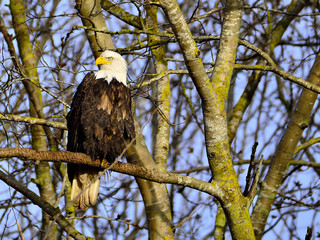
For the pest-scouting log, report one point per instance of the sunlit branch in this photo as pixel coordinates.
(128, 31)
(306, 144)
(207, 14)
(33, 121)
(283, 12)
(281, 73)
(121, 14)
(126, 168)
(243, 162)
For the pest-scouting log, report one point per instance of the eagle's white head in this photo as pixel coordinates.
(112, 65)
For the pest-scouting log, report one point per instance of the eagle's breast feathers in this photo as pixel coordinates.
(105, 118)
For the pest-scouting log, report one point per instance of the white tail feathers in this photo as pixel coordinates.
(85, 189)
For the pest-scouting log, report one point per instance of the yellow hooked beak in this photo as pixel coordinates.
(101, 61)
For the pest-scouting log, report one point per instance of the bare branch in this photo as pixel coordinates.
(126, 168)
(45, 206)
(33, 121)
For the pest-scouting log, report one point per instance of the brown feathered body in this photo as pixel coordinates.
(100, 124)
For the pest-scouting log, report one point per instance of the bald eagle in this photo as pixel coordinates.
(100, 124)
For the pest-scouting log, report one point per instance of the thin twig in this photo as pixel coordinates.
(250, 169)
(254, 185)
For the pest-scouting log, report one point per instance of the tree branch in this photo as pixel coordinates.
(284, 152)
(33, 121)
(126, 168)
(45, 206)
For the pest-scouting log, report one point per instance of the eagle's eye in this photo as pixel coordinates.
(109, 58)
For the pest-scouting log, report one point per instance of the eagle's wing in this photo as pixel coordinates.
(80, 176)
(75, 133)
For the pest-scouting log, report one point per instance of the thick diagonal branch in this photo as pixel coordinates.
(285, 150)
